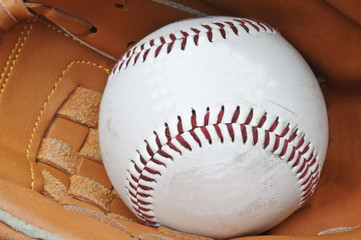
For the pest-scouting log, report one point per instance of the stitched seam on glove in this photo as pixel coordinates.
(45, 105)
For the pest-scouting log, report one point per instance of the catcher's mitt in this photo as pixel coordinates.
(56, 56)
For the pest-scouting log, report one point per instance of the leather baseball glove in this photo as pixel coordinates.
(55, 57)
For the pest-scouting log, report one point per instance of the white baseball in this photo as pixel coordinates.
(213, 126)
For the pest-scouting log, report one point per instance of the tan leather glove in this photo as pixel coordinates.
(55, 57)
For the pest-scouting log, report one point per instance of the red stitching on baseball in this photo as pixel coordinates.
(183, 142)
(255, 135)
(256, 26)
(235, 115)
(221, 29)
(170, 45)
(264, 25)
(195, 137)
(243, 24)
(180, 125)
(206, 133)
(244, 133)
(144, 56)
(277, 143)
(301, 143)
(209, 32)
(127, 54)
(235, 25)
(305, 174)
(249, 117)
(230, 131)
(218, 131)
(149, 150)
(220, 115)
(206, 118)
(194, 119)
(164, 154)
(266, 139)
(262, 120)
(195, 37)
(184, 39)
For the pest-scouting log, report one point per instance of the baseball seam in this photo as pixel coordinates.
(290, 146)
(235, 26)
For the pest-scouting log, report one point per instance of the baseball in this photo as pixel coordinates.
(213, 126)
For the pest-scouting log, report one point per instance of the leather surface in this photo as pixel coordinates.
(136, 18)
(11, 12)
(42, 67)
